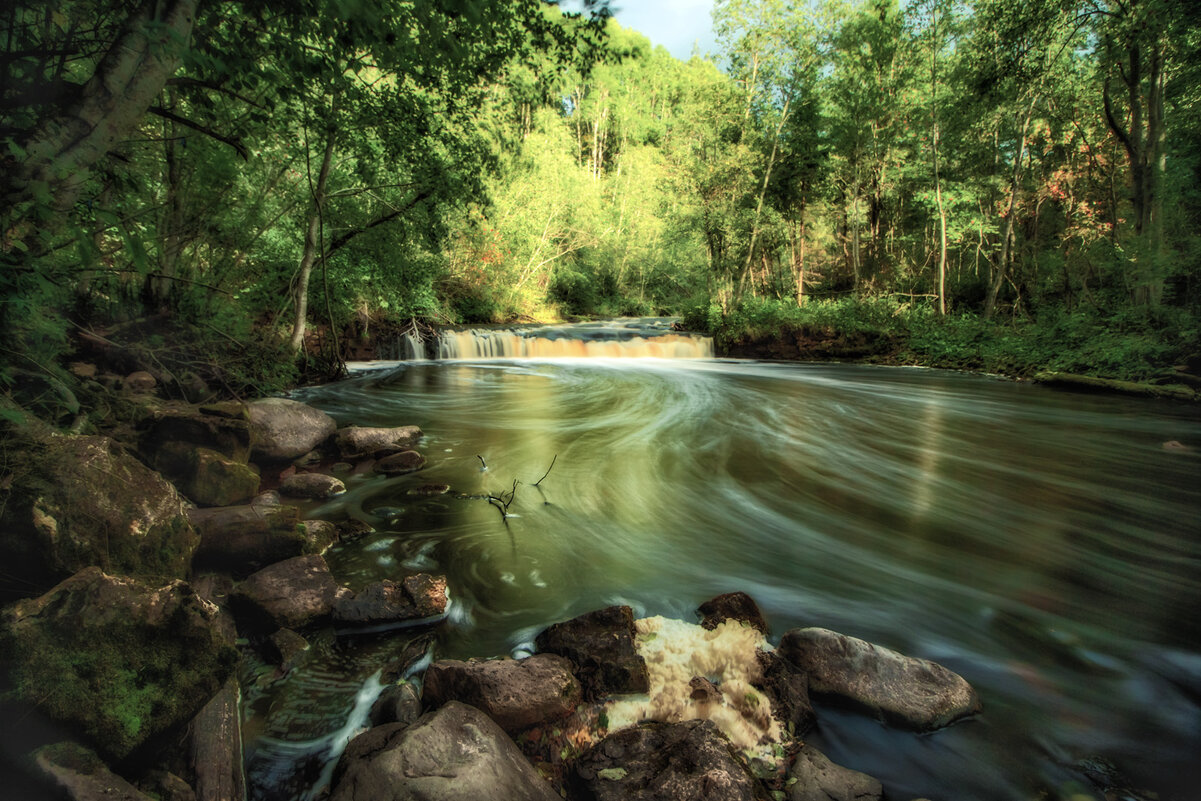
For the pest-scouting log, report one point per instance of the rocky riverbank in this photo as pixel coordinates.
(139, 570)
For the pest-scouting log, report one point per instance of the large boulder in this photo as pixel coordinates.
(819, 779)
(243, 539)
(79, 775)
(664, 762)
(207, 477)
(120, 661)
(516, 693)
(601, 646)
(904, 690)
(360, 442)
(413, 598)
(283, 429)
(73, 502)
(453, 754)
(220, 427)
(288, 594)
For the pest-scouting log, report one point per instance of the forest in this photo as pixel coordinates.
(245, 190)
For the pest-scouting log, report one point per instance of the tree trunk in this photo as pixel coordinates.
(1011, 211)
(63, 147)
(312, 249)
(771, 161)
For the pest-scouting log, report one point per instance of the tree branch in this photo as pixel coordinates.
(209, 132)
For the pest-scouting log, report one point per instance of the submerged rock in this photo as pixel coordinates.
(283, 429)
(453, 754)
(399, 464)
(359, 442)
(80, 775)
(120, 661)
(732, 606)
(414, 598)
(902, 689)
(601, 646)
(289, 594)
(664, 762)
(516, 693)
(819, 779)
(311, 485)
(74, 502)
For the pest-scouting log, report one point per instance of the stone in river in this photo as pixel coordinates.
(282, 429)
(453, 754)
(819, 779)
(311, 485)
(905, 690)
(601, 644)
(516, 693)
(732, 606)
(290, 594)
(400, 463)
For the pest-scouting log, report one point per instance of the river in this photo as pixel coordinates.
(1043, 544)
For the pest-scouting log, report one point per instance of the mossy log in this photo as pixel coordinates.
(1088, 383)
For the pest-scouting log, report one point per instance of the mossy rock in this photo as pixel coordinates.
(72, 502)
(119, 661)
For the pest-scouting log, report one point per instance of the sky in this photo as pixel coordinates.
(675, 24)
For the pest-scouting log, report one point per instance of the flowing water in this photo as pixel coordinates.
(1045, 545)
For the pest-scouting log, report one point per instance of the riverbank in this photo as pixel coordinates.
(1154, 352)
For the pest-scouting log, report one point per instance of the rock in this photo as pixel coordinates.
(118, 660)
(350, 529)
(905, 690)
(453, 754)
(516, 693)
(399, 703)
(787, 689)
(166, 786)
(310, 459)
(220, 427)
(704, 691)
(819, 779)
(140, 382)
(82, 369)
(283, 429)
(428, 490)
(287, 649)
(80, 775)
(73, 502)
(359, 442)
(215, 747)
(319, 535)
(243, 539)
(732, 606)
(400, 463)
(207, 477)
(311, 485)
(663, 762)
(289, 594)
(416, 597)
(601, 646)
(267, 498)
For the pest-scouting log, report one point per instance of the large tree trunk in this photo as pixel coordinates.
(64, 146)
(312, 249)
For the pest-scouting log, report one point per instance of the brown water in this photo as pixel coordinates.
(1043, 544)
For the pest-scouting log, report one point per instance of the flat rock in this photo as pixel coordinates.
(601, 646)
(283, 429)
(904, 690)
(413, 598)
(516, 693)
(209, 478)
(121, 661)
(663, 762)
(319, 535)
(400, 463)
(80, 775)
(220, 427)
(732, 606)
(455, 753)
(311, 485)
(819, 779)
(290, 594)
(358, 442)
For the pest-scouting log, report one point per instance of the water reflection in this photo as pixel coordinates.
(1043, 544)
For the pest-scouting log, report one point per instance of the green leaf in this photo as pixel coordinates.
(611, 774)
